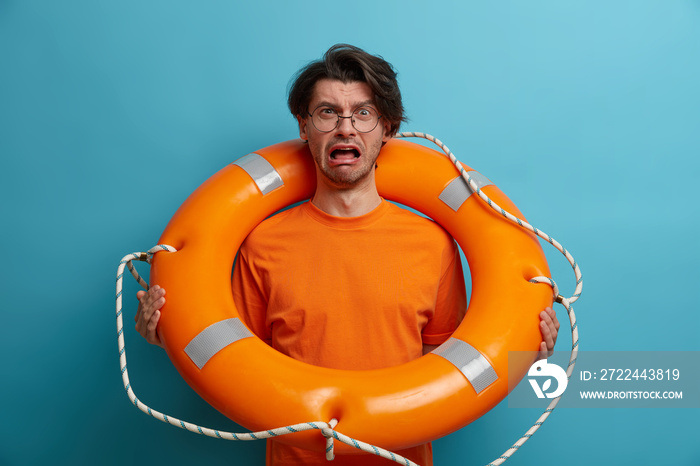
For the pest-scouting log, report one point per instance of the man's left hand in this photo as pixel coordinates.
(549, 326)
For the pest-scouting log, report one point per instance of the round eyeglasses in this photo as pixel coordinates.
(326, 119)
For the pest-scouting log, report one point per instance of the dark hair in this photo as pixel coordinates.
(348, 63)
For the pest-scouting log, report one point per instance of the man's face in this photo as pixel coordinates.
(343, 156)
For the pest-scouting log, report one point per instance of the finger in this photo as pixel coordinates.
(139, 295)
(545, 316)
(547, 337)
(145, 310)
(153, 302)
(151, 333)
(549, 318)
(148, 296)
(554, 326)
(555, 333)
(141, 323)
(151, 311)
(553, 314)
(542, 354)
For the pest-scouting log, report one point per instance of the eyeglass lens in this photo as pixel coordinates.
(364, 119)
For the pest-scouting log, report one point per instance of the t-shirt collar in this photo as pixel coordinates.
(345, 223)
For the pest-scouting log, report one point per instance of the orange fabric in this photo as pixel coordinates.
(349, 293)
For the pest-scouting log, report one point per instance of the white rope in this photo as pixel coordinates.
(327, 429)
(570, 369)
(566, 302)
(475, 188)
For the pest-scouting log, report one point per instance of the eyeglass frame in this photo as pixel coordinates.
(337, 114)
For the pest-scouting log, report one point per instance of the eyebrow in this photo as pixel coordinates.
(366, 103)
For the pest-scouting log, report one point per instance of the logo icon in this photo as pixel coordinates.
(542, 368)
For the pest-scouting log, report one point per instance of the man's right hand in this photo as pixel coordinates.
(150, 303)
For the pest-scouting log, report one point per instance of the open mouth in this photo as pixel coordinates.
(345, 154)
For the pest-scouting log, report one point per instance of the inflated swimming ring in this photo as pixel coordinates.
(397, 407)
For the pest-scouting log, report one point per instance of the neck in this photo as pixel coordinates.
(351, 201)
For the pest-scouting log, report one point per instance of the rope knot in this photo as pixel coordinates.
(329, 433)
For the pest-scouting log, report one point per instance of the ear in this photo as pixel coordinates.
(387, 131)
(302, 128)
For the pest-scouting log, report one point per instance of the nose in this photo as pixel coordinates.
(345, 127)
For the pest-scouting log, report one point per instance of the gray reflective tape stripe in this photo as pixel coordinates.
(458, 191)
(214, 338)
(469, 361)
(264, 174)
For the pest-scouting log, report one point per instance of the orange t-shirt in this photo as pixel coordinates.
(349, 293)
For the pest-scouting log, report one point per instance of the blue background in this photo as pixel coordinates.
(586, 113)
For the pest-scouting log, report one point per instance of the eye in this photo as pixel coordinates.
(363, 113)
(326, 113)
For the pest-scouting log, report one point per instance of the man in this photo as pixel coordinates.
(347, 280)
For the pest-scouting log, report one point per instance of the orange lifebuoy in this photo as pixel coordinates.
(397, 407)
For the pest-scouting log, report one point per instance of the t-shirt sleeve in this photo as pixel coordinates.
(451, 302)
(249, 296)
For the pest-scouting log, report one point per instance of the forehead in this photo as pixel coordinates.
(340, 94)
